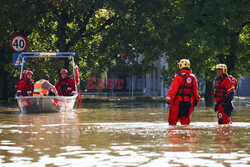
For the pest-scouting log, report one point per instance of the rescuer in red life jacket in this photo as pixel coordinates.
(19, 81)
(66, 85)
(223, 94)
(183, 95)
(26, 86)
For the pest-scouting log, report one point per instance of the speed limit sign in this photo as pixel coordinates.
(18, 43)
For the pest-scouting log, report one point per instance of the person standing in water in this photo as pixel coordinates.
(183, 95)
(223, 93)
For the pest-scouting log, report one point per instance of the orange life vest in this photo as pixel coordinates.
(38, 88)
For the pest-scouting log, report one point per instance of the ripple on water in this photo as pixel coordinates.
(128, 144)
(12, 149)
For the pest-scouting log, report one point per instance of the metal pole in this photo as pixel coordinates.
(164, 93)
(129, 84)
(132, 87)
(73, 62)
(22, 67)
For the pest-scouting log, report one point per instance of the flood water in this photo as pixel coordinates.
(125, 134)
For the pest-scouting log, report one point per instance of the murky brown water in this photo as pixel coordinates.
(123, 135)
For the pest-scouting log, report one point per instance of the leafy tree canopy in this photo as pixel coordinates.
(206, 32)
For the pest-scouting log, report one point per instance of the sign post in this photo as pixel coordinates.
(18, 43)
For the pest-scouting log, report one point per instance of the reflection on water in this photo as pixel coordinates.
(183, 138)
(123, 135)
(224, 139)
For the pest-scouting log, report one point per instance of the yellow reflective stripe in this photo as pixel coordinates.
(230, 88)
(220, 115)
(38, 90)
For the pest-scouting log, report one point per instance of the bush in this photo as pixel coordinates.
(143, 99)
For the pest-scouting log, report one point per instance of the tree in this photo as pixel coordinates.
(199, 30)
(206, 32)
(15, 21)
(67, 26)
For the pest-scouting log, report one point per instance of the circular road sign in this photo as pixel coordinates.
(18, 43)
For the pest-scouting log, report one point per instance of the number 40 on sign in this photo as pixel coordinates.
(18, 43)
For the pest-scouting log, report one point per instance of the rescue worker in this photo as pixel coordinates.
(43, 87)
(26, 86)
(30, 78)
(66, 85)
(19, 81)
(183, 95)
(223, 94)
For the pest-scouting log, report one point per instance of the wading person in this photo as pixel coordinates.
(66, 85)
(25, 87)
(183, 95)
(44, 88)
(223, 94)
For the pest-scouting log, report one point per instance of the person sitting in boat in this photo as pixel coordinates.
(66, 85)
(19, 81)
(25, 87)
(43, 87)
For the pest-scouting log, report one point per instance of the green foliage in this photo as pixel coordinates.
(199, 30)
(98, 31)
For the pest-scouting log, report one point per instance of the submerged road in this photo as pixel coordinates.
(123, 134)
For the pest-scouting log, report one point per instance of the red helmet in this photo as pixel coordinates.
(25, 72)
(64, 71)
(29, 72)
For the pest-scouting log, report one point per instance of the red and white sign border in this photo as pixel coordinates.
(18, 35)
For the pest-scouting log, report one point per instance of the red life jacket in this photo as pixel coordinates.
(220, 91)
(186, 89)
(28, 88)
(64, 86)
(18, 83)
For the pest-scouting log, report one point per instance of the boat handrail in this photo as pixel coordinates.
(48, 55)
(41, 54)
(46, 97)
